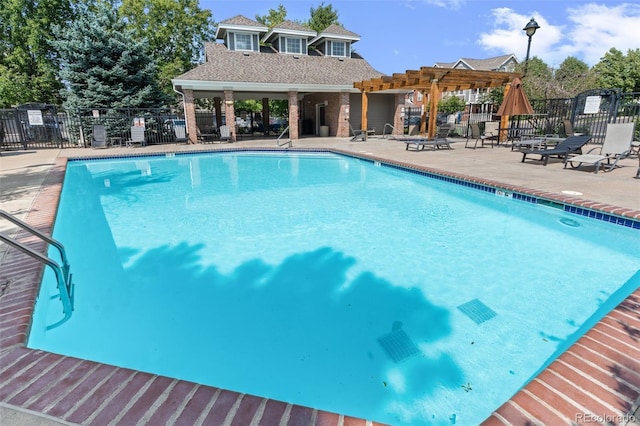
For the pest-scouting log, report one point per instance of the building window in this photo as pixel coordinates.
(243, 41)
(292, 45)
(338, 48)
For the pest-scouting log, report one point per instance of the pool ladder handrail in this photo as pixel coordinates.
(384, 130)
(63, 274)
(289, 142)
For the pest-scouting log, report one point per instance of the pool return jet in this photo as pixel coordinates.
(63, 275)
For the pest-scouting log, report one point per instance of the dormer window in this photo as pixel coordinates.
(247, 42)
(337, 48)
(243, 41)
(293, 45)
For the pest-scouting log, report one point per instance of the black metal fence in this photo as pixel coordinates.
(38, 126)
(31, 125)
(588, 113)
(161, 126)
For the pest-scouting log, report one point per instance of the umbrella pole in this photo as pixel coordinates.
(504, 119)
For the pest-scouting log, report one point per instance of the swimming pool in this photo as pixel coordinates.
(411, 297)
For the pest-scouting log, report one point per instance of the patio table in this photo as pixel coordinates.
(536, 142)
(515, 133)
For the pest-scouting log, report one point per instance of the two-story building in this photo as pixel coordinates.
(313, 71)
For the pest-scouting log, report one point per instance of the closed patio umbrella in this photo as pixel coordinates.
(515, 102)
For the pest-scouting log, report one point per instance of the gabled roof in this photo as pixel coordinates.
(241, 23)
(265, 71)
(289, 28)
(489, 64)
(335, 31)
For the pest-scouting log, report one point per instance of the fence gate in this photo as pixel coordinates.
(34, 125)
(593, 109)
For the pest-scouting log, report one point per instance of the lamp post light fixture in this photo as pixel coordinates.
(530, 30)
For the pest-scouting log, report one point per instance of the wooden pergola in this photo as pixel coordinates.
(434, 81)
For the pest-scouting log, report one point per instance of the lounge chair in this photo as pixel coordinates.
(419, 143)
(137, 136)
(98, 136)
(361, 134)
(490, 134)
(571, 145)
(617, 145)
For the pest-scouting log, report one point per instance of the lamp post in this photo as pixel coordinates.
(530, 30)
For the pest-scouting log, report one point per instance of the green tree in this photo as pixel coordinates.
(572, 77)
(451, 104)
(493, 96)
(610, 70)
(322, 17)
(28, 64)
(174, 30)
(615, 70)
(103, 65)
(633, 70)
(279, 108)
(538, 81)
(273, 18)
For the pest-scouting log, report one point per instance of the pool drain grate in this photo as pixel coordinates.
(477, 311)
(398, 345)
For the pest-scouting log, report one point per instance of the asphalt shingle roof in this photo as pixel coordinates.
(240, 20)
(264, 67)
(290, 25)
(336, 29)
(489, 64)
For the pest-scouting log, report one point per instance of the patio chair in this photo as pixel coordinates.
(571, 145)
(490, 134)
(567, 128)
(225, 134)
(99, 136)
(137, 136)
(617, 145)
(442, 136)
(205, 137)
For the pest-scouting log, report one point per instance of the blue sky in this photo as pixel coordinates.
(406, 34)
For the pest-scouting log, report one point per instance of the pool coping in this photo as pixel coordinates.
(597, 378)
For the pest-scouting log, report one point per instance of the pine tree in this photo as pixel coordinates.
(104, 66)
(322, 17)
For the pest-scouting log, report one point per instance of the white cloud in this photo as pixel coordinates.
(596, 28)
(589, 32)
(448, 4)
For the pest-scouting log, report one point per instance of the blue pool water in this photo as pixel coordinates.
(326, 281)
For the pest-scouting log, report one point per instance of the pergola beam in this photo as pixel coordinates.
(433, 81)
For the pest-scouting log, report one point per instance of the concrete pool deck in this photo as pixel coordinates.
(598, 378)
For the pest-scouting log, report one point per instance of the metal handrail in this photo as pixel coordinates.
(290, 142)
(63, 276)
(56, 244)
(384, 129)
